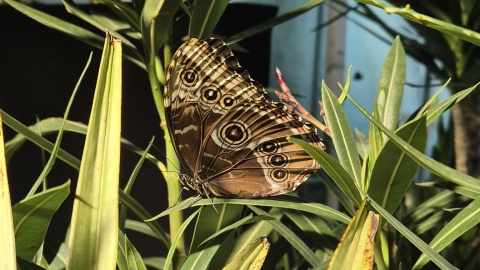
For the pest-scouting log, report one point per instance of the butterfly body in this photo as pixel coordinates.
(230, 137)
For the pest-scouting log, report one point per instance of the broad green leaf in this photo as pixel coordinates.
(394, 170)
(157, 15)
(7, 234)
(414, 239)
(212, 255)
(355, 250)
(206, 14)
(31, 218)
(94, 225)
(462, 222)
(252, 257)
(342, 136)
(291, 237)
(430, 164)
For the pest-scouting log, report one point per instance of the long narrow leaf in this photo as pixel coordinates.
(178, 236)
(281, 201)
(291, 237)
(205, 17)
(390, 86)
(419, 243)
(462, 222)
(93, 235)
(58, 24)
(432, 165)
(342, 135)
(7, 245)
(338, 174)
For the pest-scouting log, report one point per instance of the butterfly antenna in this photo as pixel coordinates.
(210, 199)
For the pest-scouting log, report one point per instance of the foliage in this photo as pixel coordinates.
(449, 49)
(302, 234)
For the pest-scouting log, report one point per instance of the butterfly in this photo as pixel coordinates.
(229, 135)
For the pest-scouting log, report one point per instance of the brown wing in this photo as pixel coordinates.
(229, 135)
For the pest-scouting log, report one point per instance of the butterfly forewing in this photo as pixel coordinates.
(228, 134)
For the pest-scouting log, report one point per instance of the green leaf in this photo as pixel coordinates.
(252, 257)
(244, 221)
(414, 239)
(7, 234)
(253, 232)
(134, 259)
(393, 170)
(431, 205)
(209, 222)
(57, 24)
(157, 15)
(281, 201)
(75, 10)
(32, 216)
(176, 239)
(342, 135)
(408, 13)
(315, 226)
(206, 14)
(93, 235)
(355, 251)
(291, 237)
(462, 222)
(390, 86)
(51, 161)
(435, 167)
(32, 134)
(435, 111)
(124, 11)
(389, 98)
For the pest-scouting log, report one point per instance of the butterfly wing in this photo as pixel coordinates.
(228, 133)
(203, 81)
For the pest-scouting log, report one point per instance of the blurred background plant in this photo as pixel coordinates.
(150, 31)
